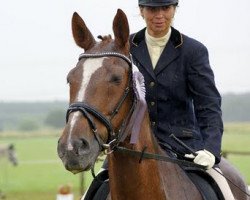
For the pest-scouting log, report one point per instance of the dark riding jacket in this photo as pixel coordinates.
(181, 93)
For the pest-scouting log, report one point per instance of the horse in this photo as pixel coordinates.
(9, 152)
(107, 113)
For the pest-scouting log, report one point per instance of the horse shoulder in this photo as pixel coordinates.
(177, 184)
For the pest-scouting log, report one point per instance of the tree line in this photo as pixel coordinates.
(34, 115)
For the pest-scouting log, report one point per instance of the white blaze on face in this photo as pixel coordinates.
(90, 66)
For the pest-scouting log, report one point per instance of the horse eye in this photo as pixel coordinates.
(116, 79)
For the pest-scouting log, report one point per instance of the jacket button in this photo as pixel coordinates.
(152, 103)
(152, 84)
(153, 123)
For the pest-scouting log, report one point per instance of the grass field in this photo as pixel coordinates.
(40, 171)
(237, 138)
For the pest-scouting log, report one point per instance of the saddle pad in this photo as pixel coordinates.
(205, 184)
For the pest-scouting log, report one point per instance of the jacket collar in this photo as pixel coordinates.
(169, 53)
(175, 38)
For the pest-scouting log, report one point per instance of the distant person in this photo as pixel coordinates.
(180, 88)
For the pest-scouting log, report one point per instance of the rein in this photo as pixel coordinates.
(145, 155)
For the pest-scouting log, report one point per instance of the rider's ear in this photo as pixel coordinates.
(121, 30)
(82, 36)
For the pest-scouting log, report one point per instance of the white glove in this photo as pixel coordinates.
(203, 157)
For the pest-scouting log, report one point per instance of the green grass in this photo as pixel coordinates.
(40, 172)
(237, 138)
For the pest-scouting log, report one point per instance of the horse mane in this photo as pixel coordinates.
(104, 37)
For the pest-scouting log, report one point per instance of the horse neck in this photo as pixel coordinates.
(126, 174)
(148, 179)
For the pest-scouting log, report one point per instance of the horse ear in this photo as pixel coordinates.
(121, 29)
(81, 33)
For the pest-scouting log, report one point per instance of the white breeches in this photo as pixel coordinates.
(222, 183)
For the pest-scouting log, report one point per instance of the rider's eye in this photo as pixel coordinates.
(156, 9)
(151, 9)
(165, 7)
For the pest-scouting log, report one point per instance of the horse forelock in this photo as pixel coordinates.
(108, 44)
(105, 37)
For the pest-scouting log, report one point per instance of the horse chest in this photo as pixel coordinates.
(132, 180)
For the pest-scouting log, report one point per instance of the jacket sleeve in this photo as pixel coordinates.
(206, 100)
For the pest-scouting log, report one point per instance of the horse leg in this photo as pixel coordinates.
(236, 180)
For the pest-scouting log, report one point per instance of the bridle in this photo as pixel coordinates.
(88, 111)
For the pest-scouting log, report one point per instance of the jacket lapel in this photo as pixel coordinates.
(169, 54)
(139, 50)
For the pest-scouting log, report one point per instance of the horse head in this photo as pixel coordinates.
(99, 94)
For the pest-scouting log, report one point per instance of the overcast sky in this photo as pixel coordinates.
(37, 47)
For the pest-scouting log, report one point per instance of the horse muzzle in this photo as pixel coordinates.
(78, 155)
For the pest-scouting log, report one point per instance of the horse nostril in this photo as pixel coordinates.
(74, 147)
(84, 144)
(83, 147)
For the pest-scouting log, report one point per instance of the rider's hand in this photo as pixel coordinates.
(203, 157)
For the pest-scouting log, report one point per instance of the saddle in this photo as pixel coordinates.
(99, 188)
(207, 186)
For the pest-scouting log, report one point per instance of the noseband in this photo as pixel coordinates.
(88, 111)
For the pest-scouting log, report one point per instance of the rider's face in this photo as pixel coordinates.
(158, 19)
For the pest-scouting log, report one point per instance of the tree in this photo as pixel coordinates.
(55, 118)
(28, 125)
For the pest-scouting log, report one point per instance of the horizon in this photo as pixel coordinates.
(66, 100)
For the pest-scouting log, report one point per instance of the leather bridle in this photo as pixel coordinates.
(88, 111)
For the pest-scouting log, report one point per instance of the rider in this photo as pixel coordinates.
(180, 89)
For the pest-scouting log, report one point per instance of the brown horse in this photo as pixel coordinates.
(102, 106)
